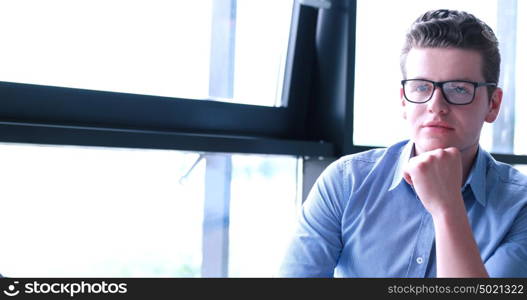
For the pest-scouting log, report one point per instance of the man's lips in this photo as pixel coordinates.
(437, 125)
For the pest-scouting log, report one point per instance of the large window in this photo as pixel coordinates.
(111, 168)
(380, 35)
(207, 49)
(116, 212)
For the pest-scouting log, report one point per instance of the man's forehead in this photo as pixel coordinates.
(444, 64)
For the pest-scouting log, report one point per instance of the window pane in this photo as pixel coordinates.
(521, 168)
(115, 212)
(261, 48)
(264, 203)
(377, 60)
(520, 136)
(88, 211)
(156, 47)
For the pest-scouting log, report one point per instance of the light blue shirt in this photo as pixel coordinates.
(362, 219)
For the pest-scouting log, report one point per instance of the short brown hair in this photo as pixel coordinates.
(455, 29)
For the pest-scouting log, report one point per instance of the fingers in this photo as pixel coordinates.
(453, 151)
(436, 169)
(449, 150)
(432, 161)
(407, 177)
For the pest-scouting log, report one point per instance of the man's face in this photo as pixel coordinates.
(436, 123)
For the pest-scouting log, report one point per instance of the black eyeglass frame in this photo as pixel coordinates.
(440, 85)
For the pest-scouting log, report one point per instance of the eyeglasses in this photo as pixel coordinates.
(457, 92)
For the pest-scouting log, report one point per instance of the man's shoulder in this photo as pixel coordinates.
(506, 184)
(507, 174)
(355, 170)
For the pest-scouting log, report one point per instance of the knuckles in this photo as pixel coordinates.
(448, 153)
(426, 160)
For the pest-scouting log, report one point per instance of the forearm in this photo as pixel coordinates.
(457, 252)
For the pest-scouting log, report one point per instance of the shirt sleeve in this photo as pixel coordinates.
(510, 259)
(316, 244)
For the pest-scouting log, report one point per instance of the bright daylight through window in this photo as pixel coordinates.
(158, 47)
(115, 212)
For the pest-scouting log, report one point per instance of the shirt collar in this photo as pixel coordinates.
(476, 178)
(406, 153)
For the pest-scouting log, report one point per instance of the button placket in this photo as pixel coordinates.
(425, 240)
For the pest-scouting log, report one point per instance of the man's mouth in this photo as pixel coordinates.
(438, 126)
(434, 124)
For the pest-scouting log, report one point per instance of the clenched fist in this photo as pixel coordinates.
(437, 178)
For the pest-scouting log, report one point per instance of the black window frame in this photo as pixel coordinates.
(69, 116)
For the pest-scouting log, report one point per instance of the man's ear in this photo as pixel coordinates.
(403, 103)
(495, 104)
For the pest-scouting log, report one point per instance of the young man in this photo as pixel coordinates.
(438, 204)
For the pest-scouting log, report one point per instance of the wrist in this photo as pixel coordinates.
(450, 210)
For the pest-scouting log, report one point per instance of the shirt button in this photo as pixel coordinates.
(419, 260)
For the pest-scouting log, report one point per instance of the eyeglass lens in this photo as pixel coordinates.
(457, 92)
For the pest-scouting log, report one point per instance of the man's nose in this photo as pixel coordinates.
(438, 103)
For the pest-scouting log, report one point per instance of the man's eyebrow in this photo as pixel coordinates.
(463, 78)
(453, 79)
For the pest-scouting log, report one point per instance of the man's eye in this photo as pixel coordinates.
(422, 88)
(460, 90)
